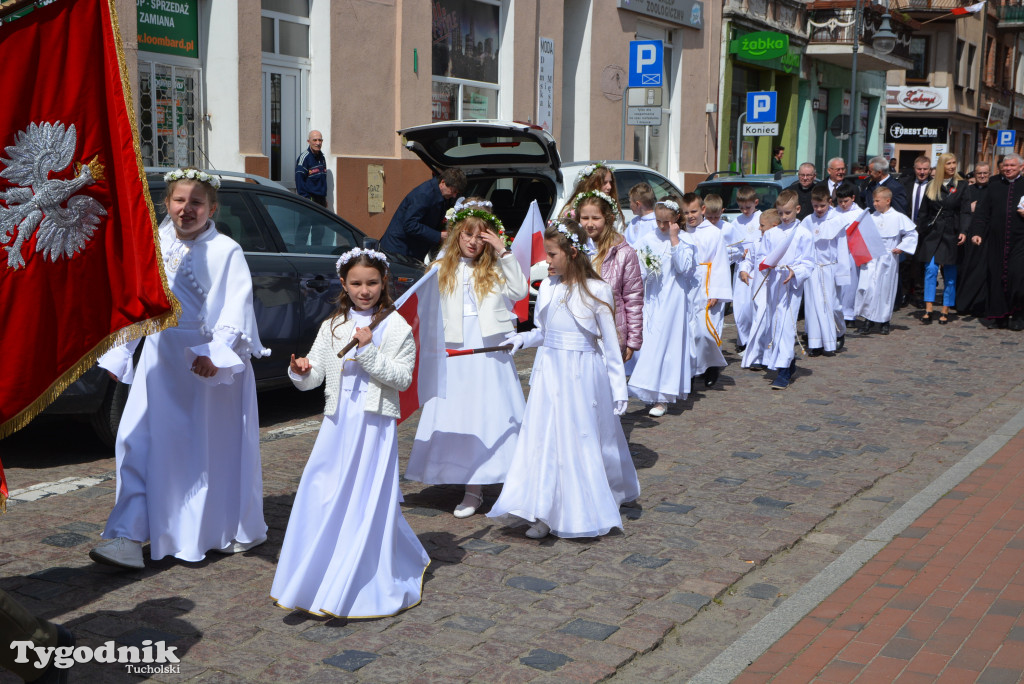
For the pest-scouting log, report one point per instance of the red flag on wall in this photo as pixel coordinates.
(79, 269)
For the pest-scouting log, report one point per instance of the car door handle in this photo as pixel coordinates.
(320, 284)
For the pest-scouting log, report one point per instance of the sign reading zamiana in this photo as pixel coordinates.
(170, 27)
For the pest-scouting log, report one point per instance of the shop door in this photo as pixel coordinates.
(169, 131)
(282, 134)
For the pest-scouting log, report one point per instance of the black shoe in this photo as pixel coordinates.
(711, 376)
(829, 354)
(840, 342)
(865, 327)
(1016, 323)
(885, 328)
(1002, 323)
(740, 348)
(926, 318)
(815, 351)
(757, 367)
(851, 324)
(803, 338)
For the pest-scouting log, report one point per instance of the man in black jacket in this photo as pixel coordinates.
(999, 226)
(803, 187)
(415, 229)
(878, 169)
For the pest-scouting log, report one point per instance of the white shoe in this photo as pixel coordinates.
(658, 410)
(120, 551)
(464, 511)
(239, 547)
(538, 530)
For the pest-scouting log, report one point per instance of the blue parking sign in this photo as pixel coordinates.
(645, 63)
(1006, 138)
(762, 107)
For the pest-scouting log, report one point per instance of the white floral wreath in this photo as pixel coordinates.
(461, 204)
(357, 252)
(193, 175)
(591, 168)
(572, 237)
(668, 204)
(599, 194)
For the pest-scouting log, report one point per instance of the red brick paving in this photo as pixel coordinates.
(943, 602)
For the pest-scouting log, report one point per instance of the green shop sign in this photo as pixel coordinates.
(760, 45)
(170, 27)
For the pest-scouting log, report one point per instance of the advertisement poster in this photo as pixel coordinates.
(465, 40)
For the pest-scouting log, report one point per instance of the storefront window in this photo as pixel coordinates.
(466, 39)
(169, 127)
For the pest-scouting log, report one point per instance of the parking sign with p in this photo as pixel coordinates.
(645, 63)
(761, 107)
(1006, 138)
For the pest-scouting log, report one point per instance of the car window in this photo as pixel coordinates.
(234, 219)
(766, 193)
(305, 230)
(662, 188)
(627, 178)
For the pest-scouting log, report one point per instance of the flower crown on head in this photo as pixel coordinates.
(571, 236)
(357, 252)
(461, 213)
(596, 193)
(591, 168)
(668, 204)
(193, 175)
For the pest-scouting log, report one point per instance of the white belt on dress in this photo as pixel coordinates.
(189, 325)
(569, 341)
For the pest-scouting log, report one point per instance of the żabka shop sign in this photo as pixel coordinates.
(760, 45)
(170, 27)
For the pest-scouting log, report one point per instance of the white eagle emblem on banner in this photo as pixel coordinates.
(37, 199)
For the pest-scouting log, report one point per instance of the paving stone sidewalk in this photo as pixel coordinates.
(730, 479)
(943, 602)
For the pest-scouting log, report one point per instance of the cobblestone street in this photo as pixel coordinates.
(746, 495)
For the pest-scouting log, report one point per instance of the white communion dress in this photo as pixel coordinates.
(189, 478)
(572, 468)
(348, 551)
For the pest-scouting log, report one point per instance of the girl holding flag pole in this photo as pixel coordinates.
(348, 552)
(468, 437)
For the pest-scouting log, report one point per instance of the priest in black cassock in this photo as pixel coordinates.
(999, 227)
(971, 266)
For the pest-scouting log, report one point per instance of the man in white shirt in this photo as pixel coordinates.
(836, 173)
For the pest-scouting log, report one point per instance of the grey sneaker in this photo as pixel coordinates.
(120, 551)
(240, 547)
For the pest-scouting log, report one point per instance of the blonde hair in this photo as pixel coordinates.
(608, 237)
(713, 203)
(770, 216)
(934, 189)
(486, 274)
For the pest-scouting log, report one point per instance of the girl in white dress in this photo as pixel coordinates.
(188, 450)
(663, 371)
(348, 552)
(469, 436)
(566, 476)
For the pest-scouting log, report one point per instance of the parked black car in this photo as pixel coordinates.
(291, 246)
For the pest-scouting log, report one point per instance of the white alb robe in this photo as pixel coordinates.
(876, 288)
(640, 226)
(847, 273)
(820, 302)
(742, 236)
(773, 333)
(712, 273)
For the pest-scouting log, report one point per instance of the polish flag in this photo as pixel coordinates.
(970, 9)
(528, 248)
(420, 306)
(779, 251)
(864, 240)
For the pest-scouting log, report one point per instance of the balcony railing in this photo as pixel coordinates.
(1010, 14)
(835, 25)
(940, 6)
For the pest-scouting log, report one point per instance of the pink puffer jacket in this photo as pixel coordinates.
(621, 270)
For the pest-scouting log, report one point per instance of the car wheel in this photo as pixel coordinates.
(106, 419)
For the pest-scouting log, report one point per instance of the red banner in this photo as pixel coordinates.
(79, 269)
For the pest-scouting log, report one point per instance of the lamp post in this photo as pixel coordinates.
(883, 41)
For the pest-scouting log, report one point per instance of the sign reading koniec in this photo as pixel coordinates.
(170, 27)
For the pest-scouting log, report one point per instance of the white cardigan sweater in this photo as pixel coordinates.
(493, 314)
(389, 366)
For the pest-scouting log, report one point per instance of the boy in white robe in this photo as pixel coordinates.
(820, 304)
(876, 289)
(741, 236)
(773, 334)
(713, 288)
(641, 203)
(847, 273)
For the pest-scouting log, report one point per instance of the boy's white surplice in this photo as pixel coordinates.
(742, 236)
(663, 369)
(876, 289)
(847, 273)
(774, 329)
(639, 226)
(821, 308)
(572, 468)
(189, 478)
(712, 274)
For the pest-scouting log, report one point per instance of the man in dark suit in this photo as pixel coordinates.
(415, 229)
(916, 185)
(836, 170)
(803, 187)
(878, 170)
(998, 227)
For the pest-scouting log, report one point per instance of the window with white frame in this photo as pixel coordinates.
(466, 36)
(285, 40)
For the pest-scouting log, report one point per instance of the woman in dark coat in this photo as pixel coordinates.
(938, 228)
(971, 269)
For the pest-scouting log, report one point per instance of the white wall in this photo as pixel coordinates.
(220, 71)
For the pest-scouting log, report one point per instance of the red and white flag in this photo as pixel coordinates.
(528, 248)
(864, 240)
(778, 251)
(79, 271)
(970, 9)
(420, 306)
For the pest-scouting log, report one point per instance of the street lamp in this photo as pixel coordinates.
(883, 41)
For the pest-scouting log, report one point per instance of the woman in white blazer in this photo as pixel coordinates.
(468, 437)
